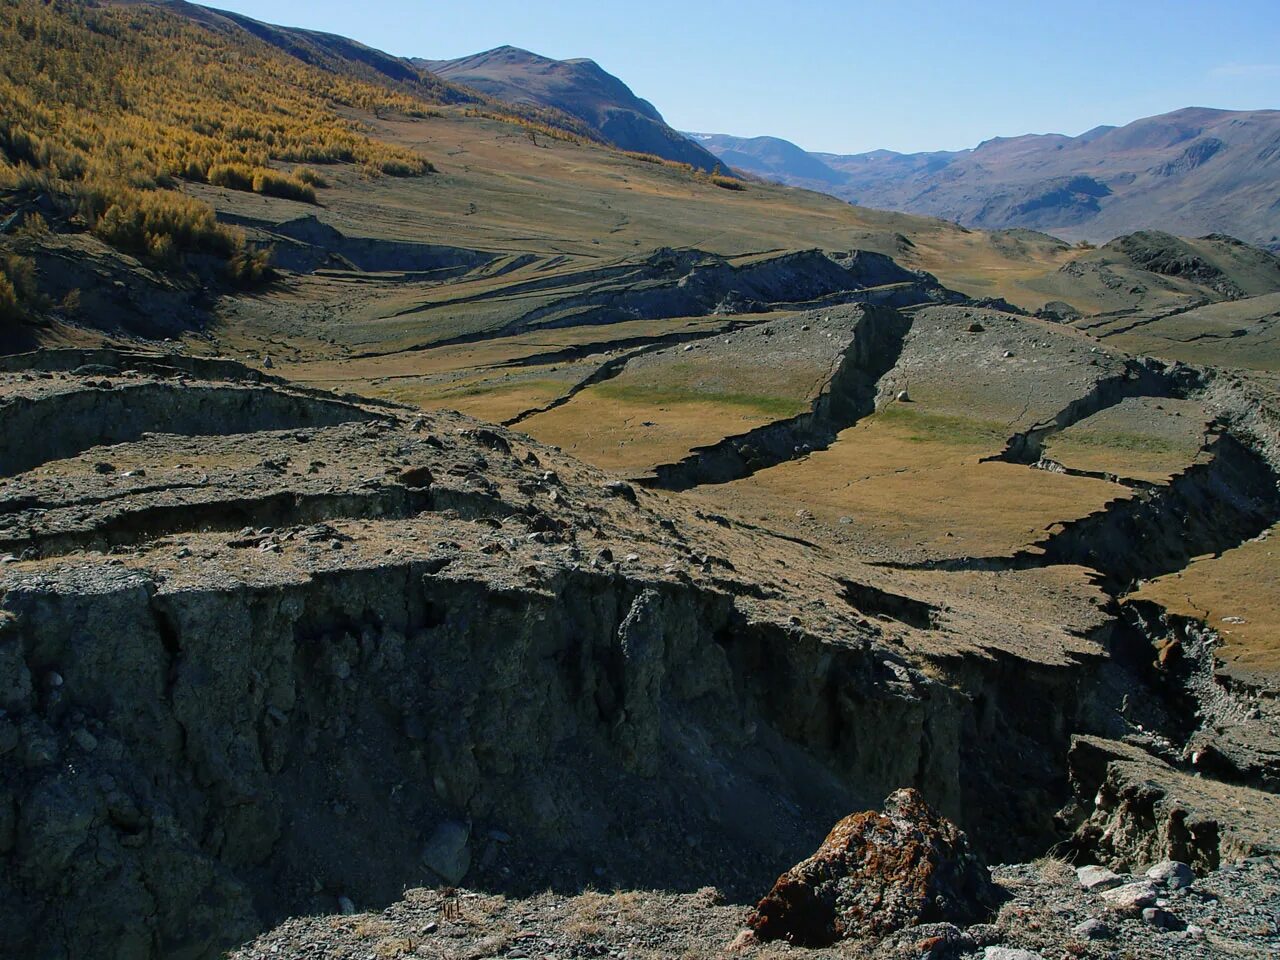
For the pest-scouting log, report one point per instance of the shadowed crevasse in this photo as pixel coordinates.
(848, 396)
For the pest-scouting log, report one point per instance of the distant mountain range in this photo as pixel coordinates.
(1191, 172)
(579, 88)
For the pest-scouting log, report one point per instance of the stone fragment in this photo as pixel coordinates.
(936, 940)
(1009, 953)
(1160, 919)
(447, 852)
(1131, 898)
(745, 940)
(878, 872)
(85, 740)
(1098, 878)
(620, 488)
(9, 735)
(1093, 929)
(984, 934)
(1172, 874)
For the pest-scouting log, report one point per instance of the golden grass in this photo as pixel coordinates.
(913, 494)
(592, 202)
(1239, 583)
(622, 435)
(111, 107)
(140, 94)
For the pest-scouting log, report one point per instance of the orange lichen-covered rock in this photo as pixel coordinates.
(877, 872)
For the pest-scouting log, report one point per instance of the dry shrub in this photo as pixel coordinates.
(311, 177)
(10, 309)
(273, 184)
(233, 176)
(19, 292)
(249, 268)
(156, 223)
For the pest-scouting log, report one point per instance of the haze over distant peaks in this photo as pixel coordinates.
(1193, 171)
(580, 88)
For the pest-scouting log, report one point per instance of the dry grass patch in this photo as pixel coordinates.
(622, 435)
(920, 494)
(1240, 583)
(1141, 438)
(592, 913)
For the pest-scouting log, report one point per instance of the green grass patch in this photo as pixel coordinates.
(921, 426)
(656, 395)
(504, 386)
(1128, 442)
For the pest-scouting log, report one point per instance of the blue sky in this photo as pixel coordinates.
(846, 77)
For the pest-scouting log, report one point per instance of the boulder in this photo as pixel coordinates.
(447, 852)
(1172, 874)
(878, 872)
(1092, 929)
(1130, 899)
(1098, 878)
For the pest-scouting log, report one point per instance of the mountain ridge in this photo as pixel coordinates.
(1193, 171)
(579, 87)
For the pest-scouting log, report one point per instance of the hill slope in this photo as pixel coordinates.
(579, 88)
(1190, 172)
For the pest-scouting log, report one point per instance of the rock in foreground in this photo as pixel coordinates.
(877, 872)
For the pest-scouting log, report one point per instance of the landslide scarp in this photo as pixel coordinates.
(260, 661)
(295, 650)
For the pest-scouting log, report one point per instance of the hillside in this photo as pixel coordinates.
(579, 88)
(1190, 172)
(427, 530)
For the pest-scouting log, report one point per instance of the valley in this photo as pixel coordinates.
(553, 544)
